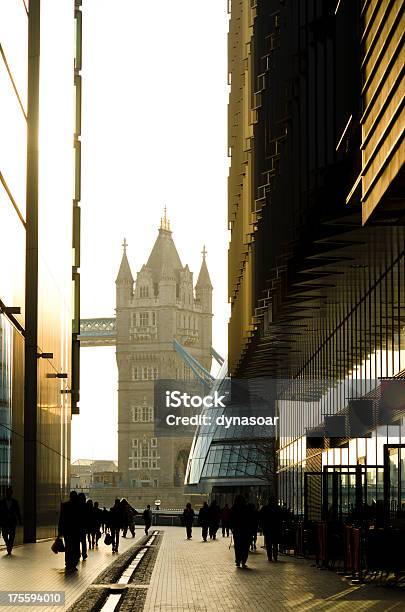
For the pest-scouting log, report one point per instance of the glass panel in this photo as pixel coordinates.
(13, 140)
(402, 479)
(5, 404)
(394, 477)
(14, 41)
(12, 267)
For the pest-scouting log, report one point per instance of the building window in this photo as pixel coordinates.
(142, 414)
(153, 318)
(144, 292)
(144, 319)
(141, 454)
(133, 319)
(136, 373)
(133, 461)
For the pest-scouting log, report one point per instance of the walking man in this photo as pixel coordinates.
(188, 518)
(225, 520)
(116, 524)
(270, 517)
(82, 509)
(204, 520)
(240, 523)
(147, 518)
(9, 516)
(215, 517)
(70, 528)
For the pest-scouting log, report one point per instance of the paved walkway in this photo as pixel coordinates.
(194, 576)
(191, 576)
(36, 567)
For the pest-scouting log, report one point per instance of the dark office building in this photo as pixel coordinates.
(39, 227)
(317, 251)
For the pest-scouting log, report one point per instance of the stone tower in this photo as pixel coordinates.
(161, 305)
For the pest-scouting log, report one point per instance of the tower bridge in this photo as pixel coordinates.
(103, 332)
(98, 332)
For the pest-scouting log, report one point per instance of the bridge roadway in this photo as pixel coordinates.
(98, 332)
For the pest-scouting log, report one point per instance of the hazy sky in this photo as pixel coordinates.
(154, 133)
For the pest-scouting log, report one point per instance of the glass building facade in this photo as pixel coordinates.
(39, 227)
(317, 251)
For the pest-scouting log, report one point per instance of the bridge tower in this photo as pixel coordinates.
(160, 305)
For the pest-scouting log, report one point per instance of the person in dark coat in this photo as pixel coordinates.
(204, 520)
(147, 518)
(90, 523)
(128, 513)
(105, 520)
(82, 507)
(97, 521)
(255, 525)
(9, 516)
(188, 518)
(215, 518)
(69, 528)
(116, 523)
(225, 520)
(240, 524)
(271, 518)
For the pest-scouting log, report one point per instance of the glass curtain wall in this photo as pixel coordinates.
(13, 143)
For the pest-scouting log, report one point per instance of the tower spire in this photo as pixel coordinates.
(124, 245)
(164, 221)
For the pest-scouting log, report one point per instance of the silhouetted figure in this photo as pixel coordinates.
(90, 524)
(215, 518)
(204, 520)
(105, 520)
(271, 517)
(116, 523)
(254, 514)
(188, 518)
(240, 523)
(69, 528)
(225, 520)
(9, 516)
(128, 513)
(147, 518)
(83, 511)
(97, 521)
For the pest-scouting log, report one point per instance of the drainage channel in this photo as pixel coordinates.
(114, 599)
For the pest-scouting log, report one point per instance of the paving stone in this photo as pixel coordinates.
(192, 575)
(36, 567)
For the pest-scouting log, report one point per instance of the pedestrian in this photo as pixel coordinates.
(128, 513)
(204, 520)
(82, 510)
(254, 514)
(69, 528)
(97, 521)
(225, 520)
(214, 519)
(116, 523)
(240, 524)
(188, 518)
(147, 518)
(90, 524)
(10, 515)
(105, 520)
(271, 517)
